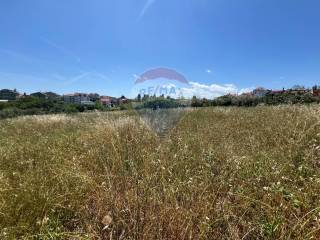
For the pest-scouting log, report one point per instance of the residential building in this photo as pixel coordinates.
(76, 98)
(68, 98)
(93, 97)
(108, 101)
(260, 92)
(298, 91)
(87, 103)
(122, 100)
(316, 91)
(6, 94)
(276, 92)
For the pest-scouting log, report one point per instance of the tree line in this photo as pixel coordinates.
(30, 105)
(252, 101)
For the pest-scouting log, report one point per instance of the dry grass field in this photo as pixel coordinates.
(220, 173)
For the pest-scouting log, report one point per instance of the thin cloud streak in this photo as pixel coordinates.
(146, 7)
(77, 78)
(84, 76)
(55, 82)
(20, 56)
(62, 49)
(5, 76)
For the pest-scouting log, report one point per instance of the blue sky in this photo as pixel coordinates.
(100, 45)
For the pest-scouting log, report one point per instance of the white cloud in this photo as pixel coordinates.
(200, 90)
(246, 90)
(146, 7)
(135, 76)
(211, 91)
(209, 71)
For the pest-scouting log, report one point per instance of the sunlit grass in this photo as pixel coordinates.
(221, 173)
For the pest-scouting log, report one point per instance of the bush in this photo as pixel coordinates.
(70, 108)
(3, 106)
(161, 103)
(10, 112)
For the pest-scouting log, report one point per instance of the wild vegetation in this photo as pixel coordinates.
(30, 105)
(51, 103)
(269, 99)
(220, 173)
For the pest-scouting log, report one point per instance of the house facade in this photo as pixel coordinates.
(76, 98)
(260, 92)
(122, 100)
(298, 91)
(93, 97)
(6, 94)
(316, 91)
(108, 101)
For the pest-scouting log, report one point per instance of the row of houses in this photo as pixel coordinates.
(10, 95)
(75, 98)
(262, 92)
(92, 98)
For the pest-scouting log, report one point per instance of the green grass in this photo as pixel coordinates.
(221, 173)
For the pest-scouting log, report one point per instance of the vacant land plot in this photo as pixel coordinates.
(220, 173)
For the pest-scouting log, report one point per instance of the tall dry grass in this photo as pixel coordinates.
(221, 173)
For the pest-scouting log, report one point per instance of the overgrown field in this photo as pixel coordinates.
(220, 173)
